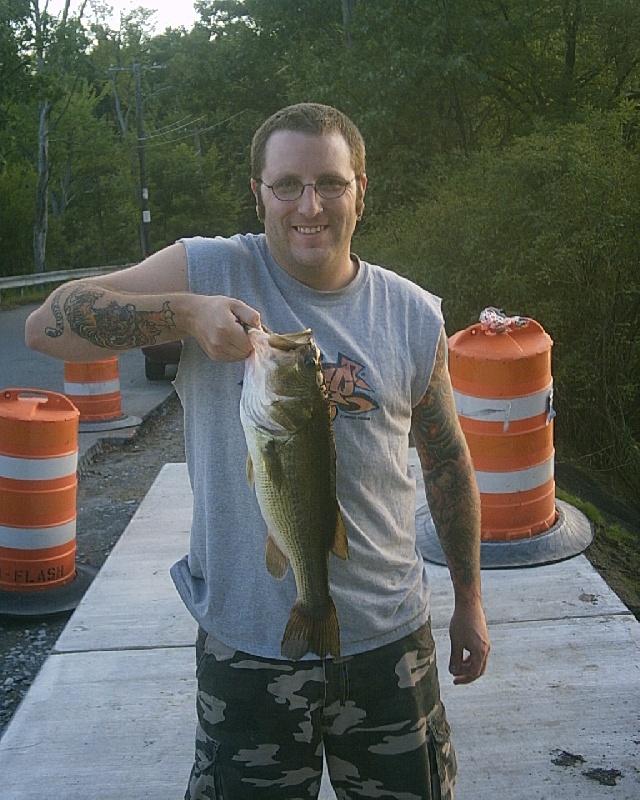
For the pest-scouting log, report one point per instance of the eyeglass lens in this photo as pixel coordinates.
(327, 188)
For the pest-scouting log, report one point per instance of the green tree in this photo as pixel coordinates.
(548, 229)
(17, 181)
(15, 67)
(190, 193)
(91, 207)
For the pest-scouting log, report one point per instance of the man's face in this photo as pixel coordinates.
(310, 238)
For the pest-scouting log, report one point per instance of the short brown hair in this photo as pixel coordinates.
(313, 119)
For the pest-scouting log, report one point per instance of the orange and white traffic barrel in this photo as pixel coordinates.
(94, 388)
(503, 391)
(38, 462)
(502, 383)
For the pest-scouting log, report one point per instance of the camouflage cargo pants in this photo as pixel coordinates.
(263, 724)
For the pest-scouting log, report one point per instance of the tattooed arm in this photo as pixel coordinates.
(455, 507)
(136, 307)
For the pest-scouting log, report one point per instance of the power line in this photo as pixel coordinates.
(193, 131)
(173, 127)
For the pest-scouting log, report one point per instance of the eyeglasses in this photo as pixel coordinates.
(291, 189)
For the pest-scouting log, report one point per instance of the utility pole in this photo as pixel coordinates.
(145, 229)
(145, 226)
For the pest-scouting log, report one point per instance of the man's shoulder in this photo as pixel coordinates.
(402, 287)
(239, 243)
(218, 265)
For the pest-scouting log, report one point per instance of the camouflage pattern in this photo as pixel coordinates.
(263, 725)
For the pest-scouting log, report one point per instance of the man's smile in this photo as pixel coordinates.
(310, 230)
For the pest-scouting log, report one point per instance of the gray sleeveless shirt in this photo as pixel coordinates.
(378, 339)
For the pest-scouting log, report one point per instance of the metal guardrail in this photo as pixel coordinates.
(44, 278)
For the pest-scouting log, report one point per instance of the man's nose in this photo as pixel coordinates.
(310, 201)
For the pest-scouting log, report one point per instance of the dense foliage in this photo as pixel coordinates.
(503, 149)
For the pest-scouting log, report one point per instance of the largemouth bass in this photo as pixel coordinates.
(285, 414)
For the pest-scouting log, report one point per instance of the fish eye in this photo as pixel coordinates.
(309, 361)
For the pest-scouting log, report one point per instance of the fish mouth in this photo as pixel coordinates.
(279, 341)
(290, 341)
(247, 328)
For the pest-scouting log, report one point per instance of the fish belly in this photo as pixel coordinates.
(294, 490)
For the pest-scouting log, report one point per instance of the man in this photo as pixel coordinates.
(376, 712)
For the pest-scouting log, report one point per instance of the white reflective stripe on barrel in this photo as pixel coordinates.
(519, 480)
(38, 469)
(501, 409)
(90, 389)
(37, 538)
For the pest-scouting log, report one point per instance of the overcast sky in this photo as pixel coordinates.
(169, 13)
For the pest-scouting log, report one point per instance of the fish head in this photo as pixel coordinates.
(283, 380)
(290, 362)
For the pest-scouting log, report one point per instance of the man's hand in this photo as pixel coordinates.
(215, 322)
(470, 643)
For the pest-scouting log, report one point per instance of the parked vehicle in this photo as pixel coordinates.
(158, 356)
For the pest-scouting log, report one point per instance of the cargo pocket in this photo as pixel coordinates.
(442, 756)
(200, 653)
(205, 782)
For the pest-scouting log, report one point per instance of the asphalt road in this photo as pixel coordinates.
(21, 368)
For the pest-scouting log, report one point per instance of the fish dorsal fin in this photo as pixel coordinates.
(340, 546)
(277, 562)
(250, 475)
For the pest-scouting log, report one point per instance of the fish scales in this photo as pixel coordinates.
(286, 418)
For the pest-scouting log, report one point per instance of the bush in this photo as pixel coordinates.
(547, 229)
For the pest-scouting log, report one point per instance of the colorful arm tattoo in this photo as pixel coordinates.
(448, 475)
(114, 326)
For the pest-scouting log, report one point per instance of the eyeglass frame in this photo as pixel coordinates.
(303, 186)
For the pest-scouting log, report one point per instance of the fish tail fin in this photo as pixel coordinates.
(310, 631)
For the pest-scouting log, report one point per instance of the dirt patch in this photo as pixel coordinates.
(605, 777)
(615, 554)
(615, 550)
(564, 759)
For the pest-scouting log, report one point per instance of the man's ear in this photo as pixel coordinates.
(360, 190)
(255, 188)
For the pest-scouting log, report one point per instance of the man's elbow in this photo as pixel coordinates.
(34, 334)
(30, 333)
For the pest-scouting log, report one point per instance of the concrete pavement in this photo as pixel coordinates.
(111, 714)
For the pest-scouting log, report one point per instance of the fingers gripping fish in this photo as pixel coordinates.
(285, 414)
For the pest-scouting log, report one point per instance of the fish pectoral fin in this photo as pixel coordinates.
(340, 546)
(250, 475)
(277, 562)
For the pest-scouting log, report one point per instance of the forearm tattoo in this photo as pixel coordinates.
(55, 310)
(448, 476)
(114, 326)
